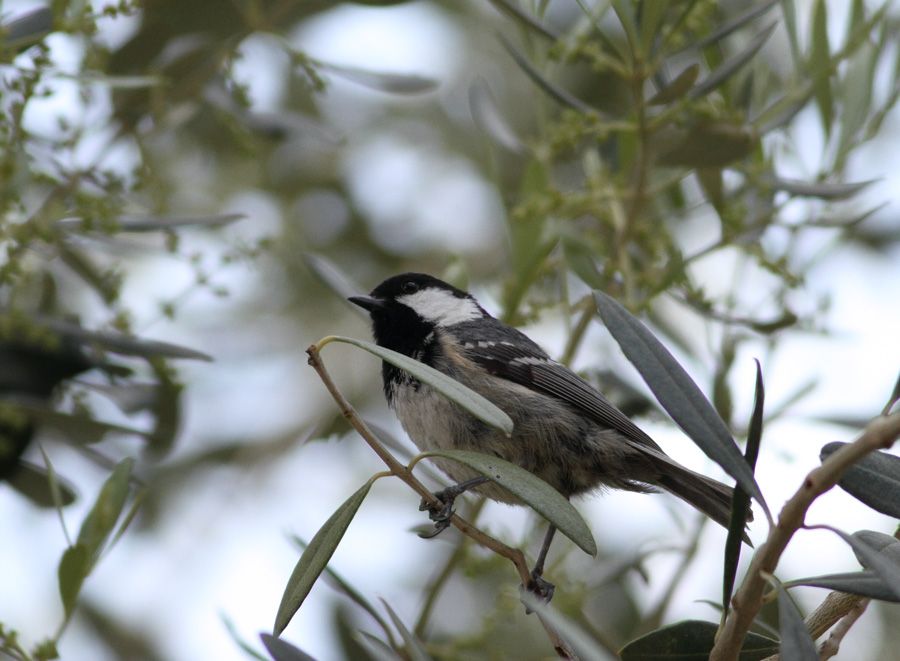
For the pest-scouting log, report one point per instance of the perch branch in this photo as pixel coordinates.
(879, 434)
(515, 556)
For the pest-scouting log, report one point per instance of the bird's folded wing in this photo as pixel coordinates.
(526, 364)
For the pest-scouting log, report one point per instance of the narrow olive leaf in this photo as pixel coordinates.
(857, 96)
(333, 278)
(873, 480)
(281, 650)
(691, 640)
(33, 482)
(677, 88)
(238, 640)
(376, 648)
(574, 636)
(789, 14)
(74, 566)
(796, 642)
(127, 345)
(392, 83)
(625, 10)
(820, 53)
(524, 18)
(337, 582)
(128, 397)
(552, 90)
(732, 65)
(678, 394)
(103, 282)
(864, 583)
(100, 521)
(26, 29)
(470, 400)
(887, 567)
(167, 413)
(735, 24)
(823, 191)
(650, 18)
(531, 490)
(415, 649)
(488, 119)
(887, 545)
(316, 556)
(151, 223)
(75, 427)
(781, 112)
(740, 503)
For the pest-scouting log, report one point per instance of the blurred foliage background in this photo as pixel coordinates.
(182, 181)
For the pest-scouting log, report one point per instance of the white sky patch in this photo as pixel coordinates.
(442, 307)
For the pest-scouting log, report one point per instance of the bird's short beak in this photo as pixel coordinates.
(367, 302)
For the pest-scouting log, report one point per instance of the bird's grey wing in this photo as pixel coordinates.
(511, 355)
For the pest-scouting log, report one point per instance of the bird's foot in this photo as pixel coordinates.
(540, 588)
(440, 512)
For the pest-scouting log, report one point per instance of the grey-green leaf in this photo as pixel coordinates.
(531, 490)
(316, 556)
(488, 118)
(338, 582)
(281, 650)
(393, 83)
(26, 29)
(796, 642)
(152, 223)
(677, 88)
(864, 583)
(470, 400)
(118, 342)
(873, 480)
(333, 278)
(740, 505)
(74, 566)
(33, 482)
(736, 23)
(876, 558)
(691, 640)
(415, 649)
(821, 190)
(75, 427)
(527, 20)
(678, 394)
(732, 65)
(552, 90)
(100, 521)
(820, 54)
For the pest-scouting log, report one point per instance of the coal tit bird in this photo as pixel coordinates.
(565, 431)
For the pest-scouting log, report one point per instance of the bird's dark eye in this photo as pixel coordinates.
(409, 287)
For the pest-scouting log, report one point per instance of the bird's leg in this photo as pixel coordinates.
(540, 587)
(441, 513)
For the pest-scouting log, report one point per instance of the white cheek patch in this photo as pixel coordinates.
(442, 307)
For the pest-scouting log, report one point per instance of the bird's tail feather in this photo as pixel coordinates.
(706, 494)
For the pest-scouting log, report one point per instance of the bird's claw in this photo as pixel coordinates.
(540, 588)
(440, 513)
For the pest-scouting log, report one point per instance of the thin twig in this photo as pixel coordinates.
(747, 601)
(836, 607)
(515, 556)
(831, 646)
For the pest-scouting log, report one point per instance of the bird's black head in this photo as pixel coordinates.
(406, 308)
